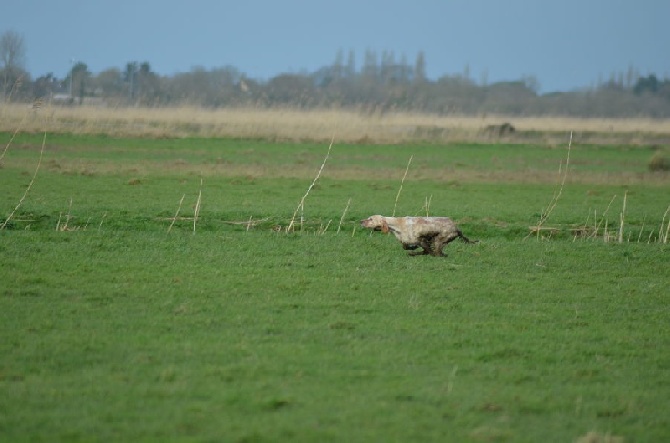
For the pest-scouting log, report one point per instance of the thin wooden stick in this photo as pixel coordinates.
(401, 183)
(30, 185)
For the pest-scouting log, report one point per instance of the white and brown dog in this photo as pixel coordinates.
(432, 234)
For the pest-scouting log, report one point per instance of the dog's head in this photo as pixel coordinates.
(376, 222)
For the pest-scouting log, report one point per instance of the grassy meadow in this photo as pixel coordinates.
(150, 291)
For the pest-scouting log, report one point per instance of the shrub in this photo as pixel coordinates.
(659, 162)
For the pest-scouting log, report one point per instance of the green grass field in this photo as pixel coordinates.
(114, 329)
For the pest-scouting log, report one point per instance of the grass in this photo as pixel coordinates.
(350, 125)
(117, 330)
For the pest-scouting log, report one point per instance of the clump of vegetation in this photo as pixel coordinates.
(660, 161)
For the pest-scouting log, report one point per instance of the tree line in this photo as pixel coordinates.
(383, 83)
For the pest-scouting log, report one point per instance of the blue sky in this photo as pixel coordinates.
(565, 44)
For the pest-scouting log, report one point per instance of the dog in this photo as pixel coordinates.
(431, 234)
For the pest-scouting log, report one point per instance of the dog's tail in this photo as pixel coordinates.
(465, 239)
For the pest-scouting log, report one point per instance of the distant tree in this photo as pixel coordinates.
(12, 54)
(109, 82)
(664, 89)
(351, 64)
(79, 79)
(338, 65)
(649, 84)
(44, 85)
(382, 84)
(420, 68)
(130, 78)
(370, 68)
(147, 83)
(326, 76)
(405, 69)
(484, 78)
(531, 83)
(466, 72)
(387, 66)
(291, 89)
(631, 76)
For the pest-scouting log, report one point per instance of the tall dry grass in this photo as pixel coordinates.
(315, 124)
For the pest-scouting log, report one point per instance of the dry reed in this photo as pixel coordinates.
(402, 182)
(64, 226)
(597, 224)
(621, 218)
(351, 125)
(301, 205)
(11, 139)
(176, 214)
(537, 229)
(196, 211)
(102, 219)
(30, 185)
(344, 213)
(426, 205)
(664, 237)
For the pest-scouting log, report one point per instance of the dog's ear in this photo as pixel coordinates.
(385, 227)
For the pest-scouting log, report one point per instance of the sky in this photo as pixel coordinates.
(564, 44)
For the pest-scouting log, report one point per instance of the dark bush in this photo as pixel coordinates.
(659, 162)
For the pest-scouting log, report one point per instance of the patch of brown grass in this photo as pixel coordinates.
(338, 172)
(350, 126)
(596, 437)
